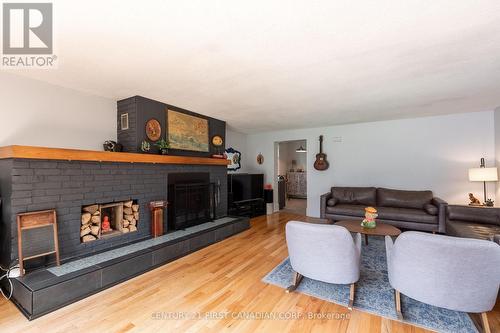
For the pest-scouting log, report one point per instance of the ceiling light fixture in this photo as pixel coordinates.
(301, 150)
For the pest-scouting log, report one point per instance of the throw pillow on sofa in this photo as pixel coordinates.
(403, 199)
(355, 195)
(431, 209)
(331, 202)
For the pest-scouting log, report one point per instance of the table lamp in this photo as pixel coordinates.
(483, 174)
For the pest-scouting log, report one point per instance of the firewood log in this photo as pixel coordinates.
(91, 209)
(136, 215)
(127, 211)
(125, 223)
(84, 232)
(135, 208)
(88, 238)
(129, 217)
(133, 228)
(128, 204)
(94, 230)
(96, 219)
(125, 230)
(86, 218)
(133, 222)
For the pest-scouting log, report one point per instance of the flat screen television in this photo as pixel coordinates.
(245, 186)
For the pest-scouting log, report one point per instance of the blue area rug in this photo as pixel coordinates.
(374, 293)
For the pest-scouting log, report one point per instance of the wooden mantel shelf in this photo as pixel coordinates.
(45, 153)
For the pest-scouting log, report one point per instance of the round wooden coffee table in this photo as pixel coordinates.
(381, 229)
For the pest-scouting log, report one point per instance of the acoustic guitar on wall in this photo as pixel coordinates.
(321, 163)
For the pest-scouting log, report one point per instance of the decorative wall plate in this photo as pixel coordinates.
(153, 129)
(234, 158)
(217, 140)
(260, 158)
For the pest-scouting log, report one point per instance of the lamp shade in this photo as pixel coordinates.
(483, 174)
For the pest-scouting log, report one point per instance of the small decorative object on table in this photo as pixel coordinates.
(145, 146)
(489, 203)
(370, 216)
(163, 145)
(473, 200)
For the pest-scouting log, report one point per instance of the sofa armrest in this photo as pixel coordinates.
(323, 200)
(496, 238)
(441, 205)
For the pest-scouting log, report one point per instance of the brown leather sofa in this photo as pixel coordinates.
(413, 210)
(473, 222)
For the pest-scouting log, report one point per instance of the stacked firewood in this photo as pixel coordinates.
(91, 219)
(91, 223)
(130, 216)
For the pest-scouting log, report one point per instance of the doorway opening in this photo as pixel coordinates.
(291, 172)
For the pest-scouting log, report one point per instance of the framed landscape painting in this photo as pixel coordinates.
(186, 132)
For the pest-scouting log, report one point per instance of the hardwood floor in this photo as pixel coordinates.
(222, 278)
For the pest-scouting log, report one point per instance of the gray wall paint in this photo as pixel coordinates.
(238, 141)
(41, 114)
(142, 109)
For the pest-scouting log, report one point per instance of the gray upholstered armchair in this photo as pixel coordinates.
(454, 273)
(323, 252)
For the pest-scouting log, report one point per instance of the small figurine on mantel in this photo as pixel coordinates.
(473, 200)
(370, 216)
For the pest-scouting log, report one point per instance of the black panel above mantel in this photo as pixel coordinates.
(141, 109)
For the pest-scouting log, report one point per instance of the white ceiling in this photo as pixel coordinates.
(266, 65)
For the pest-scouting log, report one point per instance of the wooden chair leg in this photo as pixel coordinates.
(296, 281)
(486, 325)
(351, 297)
(397, 298)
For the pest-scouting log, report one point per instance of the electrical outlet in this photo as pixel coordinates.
(15, 273)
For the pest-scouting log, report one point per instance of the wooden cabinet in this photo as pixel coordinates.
(297, 184)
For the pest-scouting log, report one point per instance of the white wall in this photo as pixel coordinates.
(238, 141)
(40, 114)
(497, 148)
(424, 153)
(282, 158)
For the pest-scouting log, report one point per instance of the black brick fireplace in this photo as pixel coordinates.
(30, 185)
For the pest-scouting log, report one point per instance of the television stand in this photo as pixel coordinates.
(249, 208)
